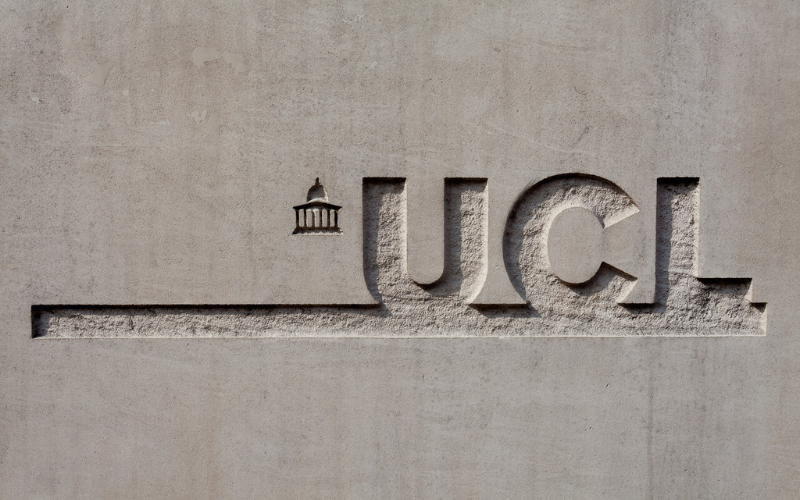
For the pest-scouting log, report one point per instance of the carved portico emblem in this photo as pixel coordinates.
(317, 215)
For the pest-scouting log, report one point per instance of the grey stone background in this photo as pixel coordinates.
(149, 151)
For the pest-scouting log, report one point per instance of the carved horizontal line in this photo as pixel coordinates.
(267, 321)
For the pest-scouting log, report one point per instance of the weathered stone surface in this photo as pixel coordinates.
(413, 250)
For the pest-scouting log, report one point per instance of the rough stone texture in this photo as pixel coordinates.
(151, 153)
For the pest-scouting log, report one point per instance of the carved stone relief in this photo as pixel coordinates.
(567, 250)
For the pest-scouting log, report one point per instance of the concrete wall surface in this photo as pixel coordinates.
(446, 249)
